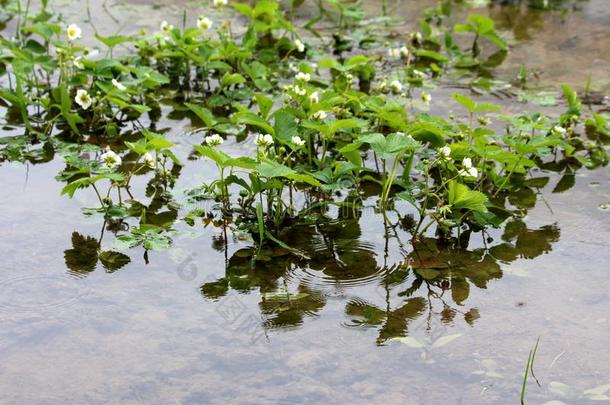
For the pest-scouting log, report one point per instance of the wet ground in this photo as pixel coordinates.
(198, 325)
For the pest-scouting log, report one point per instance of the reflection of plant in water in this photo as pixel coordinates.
(434, 280)
(524, 22)
(440, 269)
(83, 257)
(154, 220)
(284, 308)
(342, 132)
(527, 17)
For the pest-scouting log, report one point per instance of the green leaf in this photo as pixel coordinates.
(273, 169)
(495, 39)
(461, 197)
(232, 79)
(472, 106)
(264, 104)
(158, 143)
(574, 103)
(465, 101)
(214, 154)
(113, 40)
(203, 114)
(71, 187)
(426, 54)
(390, 146)
(350, 123)
(285, 126)
(248, 118)
(261, 222)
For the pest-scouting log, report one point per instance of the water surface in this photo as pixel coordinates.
(198, 324)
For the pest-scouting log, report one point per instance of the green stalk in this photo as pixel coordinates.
(389, 181)
(407, 167)
(99, 197)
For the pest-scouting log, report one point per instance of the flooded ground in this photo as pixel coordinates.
(197, 324)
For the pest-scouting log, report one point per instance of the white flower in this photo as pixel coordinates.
(471, 172)
(396, 86)
(149, 160)
(557, 130)
(349, 77)
(383, 85)
(314, 97)
(419, 73)
(467, 169)
(299, 45)
(319, 115)
(425, 97)
(74, 32)
(445, 153)
(220, 3)
(416, 36)
(110, 159)
(394, 53)
(83, 98)
(296, 140)
(204, 23)
(293, 68)
(264, 141)
(404, 52)
(305, 77)
(165, 26)
(214, 140)
(118, 85)
(299, 90)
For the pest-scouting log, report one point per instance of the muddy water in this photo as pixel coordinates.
(197, 324)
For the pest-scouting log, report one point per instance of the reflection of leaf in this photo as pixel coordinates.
(565, 183)
(428, 274)
(366, 314)
(409, 341)
(523, 198)
(113, 261)
(460, 290)
(472, 316)
(532, 244)
(597, 393)
(504, 252)
(163, 219)
(542, 98)
(215, 289)
(444, 340)
(82, 258)
(559, 388)
(397, 321)
(283, 308)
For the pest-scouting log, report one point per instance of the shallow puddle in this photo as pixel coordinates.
(200, 324)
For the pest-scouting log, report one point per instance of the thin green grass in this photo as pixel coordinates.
(529, 368)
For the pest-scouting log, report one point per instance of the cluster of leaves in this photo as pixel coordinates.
(340, 133)
(54, 86)
(455, 173)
